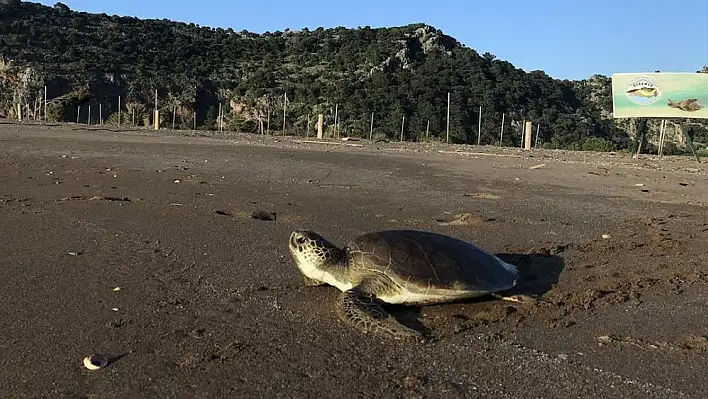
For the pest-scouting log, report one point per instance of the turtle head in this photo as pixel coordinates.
(314, 255)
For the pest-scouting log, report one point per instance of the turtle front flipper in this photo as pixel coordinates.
(362, 309)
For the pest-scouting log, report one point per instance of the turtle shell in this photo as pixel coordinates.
(425, 260)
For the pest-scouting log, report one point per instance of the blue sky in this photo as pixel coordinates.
(566, 39)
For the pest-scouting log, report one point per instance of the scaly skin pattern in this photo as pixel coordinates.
(359, 307)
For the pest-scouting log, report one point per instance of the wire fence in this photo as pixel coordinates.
(285, 117)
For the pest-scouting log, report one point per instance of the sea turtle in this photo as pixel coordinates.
(689, 104)
(406, 267)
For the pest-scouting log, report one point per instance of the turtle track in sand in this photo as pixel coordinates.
(647, 256)
(650, 255)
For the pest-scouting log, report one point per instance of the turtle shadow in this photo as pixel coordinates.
(538, 273)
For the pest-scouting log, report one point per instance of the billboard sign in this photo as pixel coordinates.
(660, 95)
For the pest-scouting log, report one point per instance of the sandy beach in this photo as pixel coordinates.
(211, 305)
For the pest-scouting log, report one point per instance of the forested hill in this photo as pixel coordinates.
(391, 72)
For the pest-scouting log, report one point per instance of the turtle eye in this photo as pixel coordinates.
(300, 240)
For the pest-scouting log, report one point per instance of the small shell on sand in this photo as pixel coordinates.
(95, 362)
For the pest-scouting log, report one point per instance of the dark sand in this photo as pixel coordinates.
(211, 304)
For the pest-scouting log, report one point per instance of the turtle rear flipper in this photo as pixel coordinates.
(521, 298)
(360, 308)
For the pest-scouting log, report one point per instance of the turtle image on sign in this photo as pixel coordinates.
(689, 105)
(660, 95)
